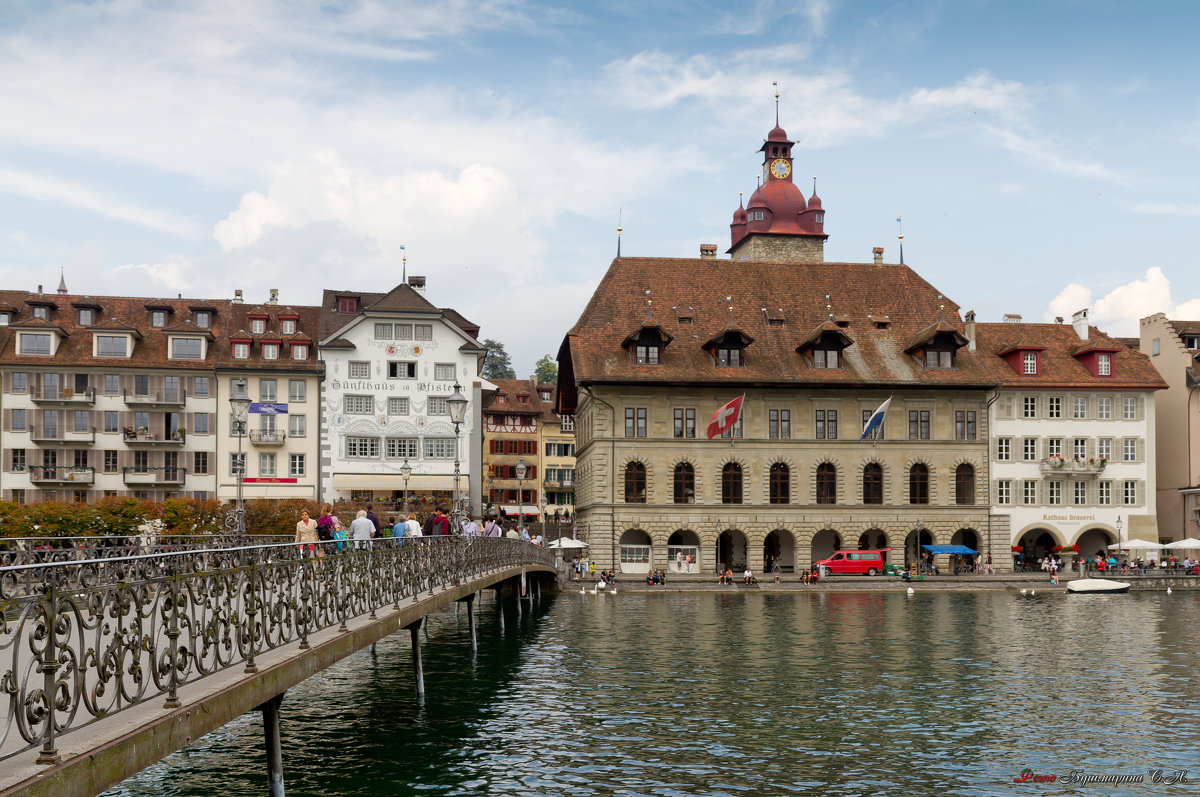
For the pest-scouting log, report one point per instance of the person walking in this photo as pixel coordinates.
(361, 530)
(306, 532)
(412, 529)
(469, 527)
(988, 567)
(371, 516)
(491, 528)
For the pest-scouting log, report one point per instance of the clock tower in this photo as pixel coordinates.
(778, 223)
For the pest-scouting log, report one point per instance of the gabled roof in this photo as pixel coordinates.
(188, 327)
(723, 335)
(1020, 346)
(38, 323)
(924, 336)
(636, 335)
(825, 328)
(1059, 363)
(511, 390)
(114, 324)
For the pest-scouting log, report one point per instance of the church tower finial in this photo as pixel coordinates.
(619, 233)
(775, 83)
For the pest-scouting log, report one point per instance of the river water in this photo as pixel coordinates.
(742, 694)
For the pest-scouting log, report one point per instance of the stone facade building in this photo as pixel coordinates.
(815, 347)
(1173, 348)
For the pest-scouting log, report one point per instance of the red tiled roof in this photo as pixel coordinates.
(510, 389)
(1059, 366)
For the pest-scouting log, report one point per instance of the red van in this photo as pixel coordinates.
(853, 562)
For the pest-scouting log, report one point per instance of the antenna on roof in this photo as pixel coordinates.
(775, 83)
(900, 225)
(403, 265)
(619, 232)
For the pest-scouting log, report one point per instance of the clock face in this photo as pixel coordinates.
(780, 168)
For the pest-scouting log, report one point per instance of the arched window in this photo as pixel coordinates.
(918, 484)
(731, 483)
(826, 484)
(779, 487)
(685, 484)
(635, 483)
(964, 484)
(872, 484)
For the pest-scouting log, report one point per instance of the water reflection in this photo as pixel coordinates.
(738, 693)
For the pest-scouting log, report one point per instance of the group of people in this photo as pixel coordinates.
(727, 577)
(366, 527)
(655, 577)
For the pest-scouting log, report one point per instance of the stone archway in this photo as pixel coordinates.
(1095, 541)
(1033, 545)
(636, 551)
(683, 552)
(964, 563)
(824, 543)
(732, 551)
(913, 552)
(779, 548)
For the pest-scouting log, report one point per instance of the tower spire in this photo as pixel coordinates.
(62, 281)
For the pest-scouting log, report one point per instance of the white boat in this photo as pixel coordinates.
(1097, 586)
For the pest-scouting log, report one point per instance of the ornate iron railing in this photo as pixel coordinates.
(16, 551)
(81, 640)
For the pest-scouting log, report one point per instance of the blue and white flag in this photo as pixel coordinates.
(876, 419)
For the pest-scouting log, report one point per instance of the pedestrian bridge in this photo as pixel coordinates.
(108, 665)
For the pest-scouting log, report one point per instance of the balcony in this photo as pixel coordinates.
(146, 438)
(1061, 466)
(551, 484)
(141, 477)
(172, 400)
(63, 437)
(66, 397)
(61, 474)
(267, 438)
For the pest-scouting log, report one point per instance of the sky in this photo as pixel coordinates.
(1043, 156)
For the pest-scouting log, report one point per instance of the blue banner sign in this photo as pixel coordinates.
(268, 408)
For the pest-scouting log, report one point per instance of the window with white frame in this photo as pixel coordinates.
(400, 448)
(1080, 493)
(287, 326)
(1080, 407)
(200, 386)
(112, 346)
(1029, 450)
(1104, 364)
(270, 351)
(35, 343)
(296, 465)
(1129, 449)
(1079, 447)
(438, 405)
(267, 390)
(297, 425)
(258, 326)
(237, 463)
(422, 331)
(1129, 492)
(266, 464)
(1104, 407)
(383, 332)
(1029, 491)
(299, 351)
(203, 319)
(1029, 407)
(1104, 493)
(1003, 449)
(361, 447)
(241, 351)
(200, 423)
(397, 406)
(20, 382)
(187, 349)
(1030, 359)
(443, 371)
(1003, 491)
(297, 391)
(568, 422)
(359, 405)
(357, 369)
(439, 447)
(403, 331)
(1054, 492)
(1054, 447)
(1104, 447)
(1054, 407)
(1129, 408)
(402, 370)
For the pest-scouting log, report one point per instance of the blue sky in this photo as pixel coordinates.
(1043, 156)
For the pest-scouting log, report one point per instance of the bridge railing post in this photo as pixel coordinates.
(250, 608)
(173, 592)
(48, 664)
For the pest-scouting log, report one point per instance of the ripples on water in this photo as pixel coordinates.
(732, 694)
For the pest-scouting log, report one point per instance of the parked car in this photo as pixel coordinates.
(853, 562)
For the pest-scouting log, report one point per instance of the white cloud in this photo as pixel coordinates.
(1118, 312)
(172, 276)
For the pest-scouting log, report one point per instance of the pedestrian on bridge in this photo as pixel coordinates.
(306, 532)
(469, 527)
(361, 530)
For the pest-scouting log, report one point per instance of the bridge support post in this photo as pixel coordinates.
(270, 715)
(500, 605)
(414, 631)
(471, 620)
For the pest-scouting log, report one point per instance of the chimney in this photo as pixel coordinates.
(1012, 318)
(1080, 322)
(708, 251)
(274, 296)
(39, 290)
(969, 329)
(878, 252)
(417, 284)
(237, 297)
(1058, 319)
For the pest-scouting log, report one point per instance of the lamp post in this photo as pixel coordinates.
(542, 506)
(457, 404)
(520, 493)
(239, 403)
(1120, 541)
(405, 472)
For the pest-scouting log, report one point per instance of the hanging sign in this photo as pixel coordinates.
(268, 408)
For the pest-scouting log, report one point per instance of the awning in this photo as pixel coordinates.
(940, 549)
(530, 510)
(394, 481)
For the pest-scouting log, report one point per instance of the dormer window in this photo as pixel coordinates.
(1192, 342)
(522, 399)
(287, 326)
(936, 346)
(826, 358)
(939, 358)
(299, 351)
(646, 345)
(203, 319)
(1104, 364)
(728, 348)
(270, 351)
(41, 312)
(258, 326)
(824, 346)
(111, 345)
(347, 304)
(4, 319)
(241, 351)
(85, 316)
(730, 356)
(544, 395)
(882, 324)
(158, 318)
(501, 399)
(1029, 359)
(35, 343)
(646, 355)
(187, 348)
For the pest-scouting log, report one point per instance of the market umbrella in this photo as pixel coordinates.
(1190, 542)
(567, 542)
(1139, 545)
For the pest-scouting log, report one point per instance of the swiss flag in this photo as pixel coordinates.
(725, 417)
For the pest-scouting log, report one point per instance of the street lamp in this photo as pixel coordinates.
(520, 493)
(405, 472)
(542, 505)
(239, 403)
(457, 404)
(1120, 540)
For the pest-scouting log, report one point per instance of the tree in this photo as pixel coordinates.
(545, 371)
(497, 364)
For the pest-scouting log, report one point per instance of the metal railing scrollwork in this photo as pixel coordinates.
(82, 639)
